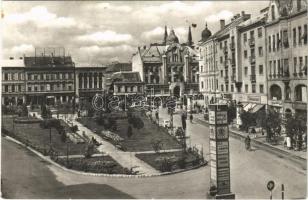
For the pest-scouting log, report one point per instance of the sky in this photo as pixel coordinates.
(100, 32)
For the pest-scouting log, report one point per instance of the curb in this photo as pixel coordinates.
(100, 174)
(268, 147)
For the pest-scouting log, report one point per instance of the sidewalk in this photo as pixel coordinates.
(259, 139)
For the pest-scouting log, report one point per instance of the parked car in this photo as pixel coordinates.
(166, 123)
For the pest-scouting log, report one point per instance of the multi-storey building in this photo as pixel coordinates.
(228, 57)
(127, 83)
(169, 68)
(287, 51)
(208, 72)
(49, 79)
(13, 82)
(89, 81)
(252, 92)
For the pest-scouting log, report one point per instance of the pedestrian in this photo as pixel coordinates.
(191, 118)
(247, 142)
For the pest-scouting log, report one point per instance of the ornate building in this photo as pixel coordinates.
(287, 52)
(169, 68)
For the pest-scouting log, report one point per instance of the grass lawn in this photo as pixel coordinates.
(141, 140)
(156, 160)
(39, 137)
(102, 164)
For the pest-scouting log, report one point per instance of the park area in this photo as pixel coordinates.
(139, 138)
(172, 161)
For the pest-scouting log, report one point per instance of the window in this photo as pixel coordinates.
(294, 36)
(270, 68)
(269, 44)
(245, 54)
(259, 32)
(6, 88)
(232, 88)
(220, 59)
(274, 45)
(273, 12)
(285, 39)
(6, 77)
(19, 88)
(201, 69)
(220, 45)
(227, 88)
(42, 88)
(253, 88)
(202, 84)
(246, 71)
(221, 73)
(299, 5)
(13, 88)
(261, 87)
(300, 64)
(305, 34)
(29, 88)
(278, 41)
(246, 88)
(222, 88)
(261, 69)
(299, 35)
(69, 87)
(294, 63)
(260, 51)
(245, 37)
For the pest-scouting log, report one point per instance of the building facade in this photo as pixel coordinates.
(169, 68)
(287, 51)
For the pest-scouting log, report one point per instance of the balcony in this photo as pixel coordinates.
(252, 41)
(252, 59)
(253, 78)
(232, 46)
(226, 79)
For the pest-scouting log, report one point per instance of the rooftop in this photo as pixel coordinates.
(13, 63)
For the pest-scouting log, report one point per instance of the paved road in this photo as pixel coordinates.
(26, 176)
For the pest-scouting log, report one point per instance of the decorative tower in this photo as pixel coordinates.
(189, 39)
(165, 36)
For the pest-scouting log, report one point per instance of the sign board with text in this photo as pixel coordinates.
(219, 149)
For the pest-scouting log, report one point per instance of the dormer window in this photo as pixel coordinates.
(273, 12)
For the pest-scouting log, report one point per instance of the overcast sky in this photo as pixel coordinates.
(101, 32)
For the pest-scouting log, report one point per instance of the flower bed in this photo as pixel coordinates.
(171, 161)
(27, 120)
(101, 164)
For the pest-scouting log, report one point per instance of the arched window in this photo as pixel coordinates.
(275, 92)
(288, 93)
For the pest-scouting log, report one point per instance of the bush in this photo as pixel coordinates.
(74, 128)
(181, 162)
(166, 165)
(89, 151)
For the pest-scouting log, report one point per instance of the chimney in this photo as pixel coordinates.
(222, 23)
(243, 13)
(11, 58)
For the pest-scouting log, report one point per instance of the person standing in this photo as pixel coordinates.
(247, 142)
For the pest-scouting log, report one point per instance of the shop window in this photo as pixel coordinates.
(275, 92)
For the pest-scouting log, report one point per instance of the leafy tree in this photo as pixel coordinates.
(74, 128)
(44, 111)
(129, 132)
(231, 112)
(248, 119)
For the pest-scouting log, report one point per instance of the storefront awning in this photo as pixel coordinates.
(256, 108)
(249, 106)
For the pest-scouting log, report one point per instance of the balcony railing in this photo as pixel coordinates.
(252, 41)
(252, 59)
(253, 78)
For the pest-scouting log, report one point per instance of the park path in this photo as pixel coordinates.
(125, 159)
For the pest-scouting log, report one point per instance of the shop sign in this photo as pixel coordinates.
(222, 160)
(221, 117)
(223, 147)
(254, 99)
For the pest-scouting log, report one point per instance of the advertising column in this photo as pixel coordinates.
(219, 152)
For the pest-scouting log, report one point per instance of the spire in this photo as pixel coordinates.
(165, 35)
(189, 39)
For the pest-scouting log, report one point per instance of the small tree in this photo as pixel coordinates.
(89, 151)
(24, 111)
(129, 132)
(157, 145)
